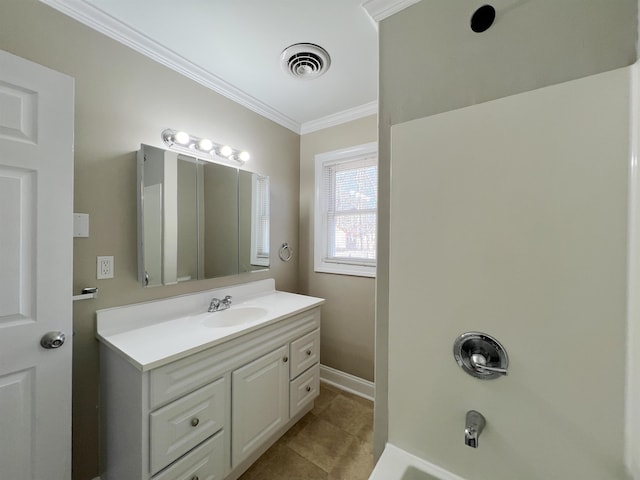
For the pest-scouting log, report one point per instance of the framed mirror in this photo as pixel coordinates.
(198, 219)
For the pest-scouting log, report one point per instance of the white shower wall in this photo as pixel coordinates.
(510, 217)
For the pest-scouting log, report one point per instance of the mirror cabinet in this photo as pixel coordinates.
(198, 219)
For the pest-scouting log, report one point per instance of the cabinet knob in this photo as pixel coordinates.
(308, 353)
(308, 389)
(285, 359)
(195, 477)
(195, 422)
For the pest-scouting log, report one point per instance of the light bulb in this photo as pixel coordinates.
(182, 138)
(226, 150)
(205, 145)
(244, 156)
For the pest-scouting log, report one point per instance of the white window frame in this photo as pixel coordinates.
(321, 263)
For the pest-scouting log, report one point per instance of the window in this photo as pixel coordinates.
(346, 211)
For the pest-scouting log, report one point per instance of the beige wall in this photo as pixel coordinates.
(431, 62)
(348, 315)
(122, 100)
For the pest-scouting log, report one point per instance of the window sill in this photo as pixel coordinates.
(342, 269)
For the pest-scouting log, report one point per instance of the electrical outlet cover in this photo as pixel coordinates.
(105, 267)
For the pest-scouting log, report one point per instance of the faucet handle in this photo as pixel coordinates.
(214, 305)
(501, 371)
(227, 300)
(479, 362)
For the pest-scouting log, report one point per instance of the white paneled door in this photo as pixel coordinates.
(36, 193)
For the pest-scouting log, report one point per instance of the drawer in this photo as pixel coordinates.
(178, 427)
(304, 389)
(178, 378)
(205, 462)
(305, 352)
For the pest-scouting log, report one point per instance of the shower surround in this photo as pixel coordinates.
(518, 217)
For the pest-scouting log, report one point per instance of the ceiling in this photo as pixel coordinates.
(234, 48)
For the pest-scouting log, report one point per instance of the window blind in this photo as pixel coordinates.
(351, 193)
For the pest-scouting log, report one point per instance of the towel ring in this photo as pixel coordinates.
(285, 253)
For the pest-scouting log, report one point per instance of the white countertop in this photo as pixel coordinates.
(154, 333)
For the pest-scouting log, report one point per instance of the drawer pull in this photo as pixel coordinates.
(195, 422)
(308, 389)
(285, 359)
(308, 353)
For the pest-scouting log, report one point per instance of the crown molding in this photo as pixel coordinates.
(97, 19)
(380, 9)
(104, 23)
(338, 118)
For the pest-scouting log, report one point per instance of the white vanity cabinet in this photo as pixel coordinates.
(209, 414)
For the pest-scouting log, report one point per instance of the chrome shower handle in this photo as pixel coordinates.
(501, 371)
(480, 355)
(479, 362)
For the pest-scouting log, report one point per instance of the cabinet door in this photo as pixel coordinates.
(260, 402)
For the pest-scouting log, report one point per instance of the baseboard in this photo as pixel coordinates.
(345, 381)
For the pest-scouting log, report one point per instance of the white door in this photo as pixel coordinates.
(36, 183)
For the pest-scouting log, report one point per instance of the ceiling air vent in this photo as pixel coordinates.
(305, 60)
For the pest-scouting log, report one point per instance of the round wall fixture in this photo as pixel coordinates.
(305, 60)
(483, 18)
(480, 355)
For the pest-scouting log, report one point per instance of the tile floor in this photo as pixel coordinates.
(332, 442)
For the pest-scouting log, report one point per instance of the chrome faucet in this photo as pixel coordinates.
(475, 423)
(216, 305)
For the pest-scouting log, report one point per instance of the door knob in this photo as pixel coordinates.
(52, 340)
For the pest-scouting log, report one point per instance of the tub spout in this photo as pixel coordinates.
(475, 423)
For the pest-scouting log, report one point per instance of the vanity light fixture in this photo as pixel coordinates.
(202, 148)
(225, 151)
(182, 138)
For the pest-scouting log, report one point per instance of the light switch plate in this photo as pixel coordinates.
(81, 225)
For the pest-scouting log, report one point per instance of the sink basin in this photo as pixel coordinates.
(233, 316)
